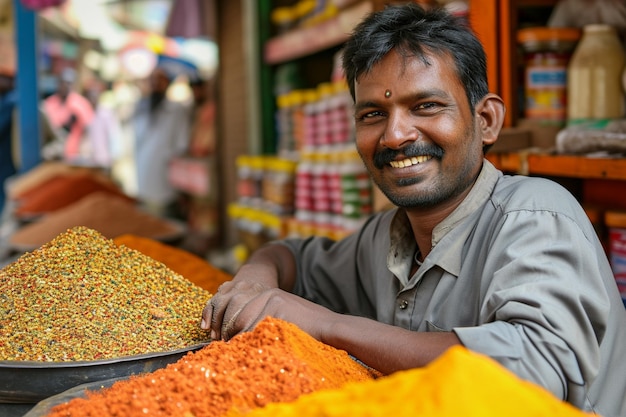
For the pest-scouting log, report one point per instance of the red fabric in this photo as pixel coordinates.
(41, 4)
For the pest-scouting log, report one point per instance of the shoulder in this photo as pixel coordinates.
(532, 193)
(539, 200)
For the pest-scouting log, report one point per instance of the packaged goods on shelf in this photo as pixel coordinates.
(313, 178)
(327, 192)
(616, 223)
(333, 191)
(249, 179)
(284, 19)
(266, 182)
(310, 118)
(278, 185)
(256, 227)
(547, 52)
(304, 13)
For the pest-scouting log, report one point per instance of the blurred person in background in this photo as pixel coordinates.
(104, 131)
(68, 115)
(8, 101)
(161, 129)
(203, 118)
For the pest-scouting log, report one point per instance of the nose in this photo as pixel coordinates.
(399, 130)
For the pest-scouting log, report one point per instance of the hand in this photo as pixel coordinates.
(239, 305)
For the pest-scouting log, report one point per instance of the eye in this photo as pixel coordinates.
(428, 106)
(369, 116)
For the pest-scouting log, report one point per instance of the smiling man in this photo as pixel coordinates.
(508, 266)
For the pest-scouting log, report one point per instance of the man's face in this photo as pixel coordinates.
(415, 131)
(159, 82)
(64, 88)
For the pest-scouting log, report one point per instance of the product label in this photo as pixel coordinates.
(546, 77)
(546, 93)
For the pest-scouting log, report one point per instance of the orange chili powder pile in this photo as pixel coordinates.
(275, 362)
(185, 263)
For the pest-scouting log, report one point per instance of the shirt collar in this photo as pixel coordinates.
(402, 248)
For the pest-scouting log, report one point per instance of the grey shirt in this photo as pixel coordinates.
(516, 271)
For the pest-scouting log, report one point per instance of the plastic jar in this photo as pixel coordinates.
(304, 187)
(547, 52)
(278, 185)
(594, 76)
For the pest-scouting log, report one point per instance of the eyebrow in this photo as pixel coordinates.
(426, 94)
(364, 105)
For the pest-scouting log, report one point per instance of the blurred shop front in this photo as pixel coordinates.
(114, 47)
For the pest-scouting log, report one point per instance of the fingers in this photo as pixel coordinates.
(229, 325)
(222, 314)
(212, 313)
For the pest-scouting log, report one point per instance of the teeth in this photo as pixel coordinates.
(409, 161)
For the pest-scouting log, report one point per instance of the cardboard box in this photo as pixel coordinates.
(543, 134)
(512, 139)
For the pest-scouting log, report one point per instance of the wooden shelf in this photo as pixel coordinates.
(301, 42)
(570, 166)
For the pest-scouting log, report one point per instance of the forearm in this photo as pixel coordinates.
(272, 265)
(384, 347)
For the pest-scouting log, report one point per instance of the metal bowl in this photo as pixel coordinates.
(31, 382)
(43, 408)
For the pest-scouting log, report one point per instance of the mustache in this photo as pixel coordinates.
(387, 155)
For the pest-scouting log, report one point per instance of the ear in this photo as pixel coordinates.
(490, 117)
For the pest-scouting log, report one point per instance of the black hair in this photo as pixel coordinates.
(418, 32)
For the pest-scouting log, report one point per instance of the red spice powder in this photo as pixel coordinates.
(61, 191)
(112, 216)
(276, 362)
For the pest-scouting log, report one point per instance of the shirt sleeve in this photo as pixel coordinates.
(545, 309)
(345, 276)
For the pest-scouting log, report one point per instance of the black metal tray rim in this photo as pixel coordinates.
(76, 364)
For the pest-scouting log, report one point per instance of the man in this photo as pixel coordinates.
(69, 114)
(508, 266)
(161, 128)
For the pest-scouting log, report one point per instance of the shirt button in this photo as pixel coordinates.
(403, 304)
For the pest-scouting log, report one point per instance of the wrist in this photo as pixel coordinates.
(261, 272)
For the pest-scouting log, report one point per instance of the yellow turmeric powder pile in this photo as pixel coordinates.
(275, 362)
(459, 383)
(190, 266)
